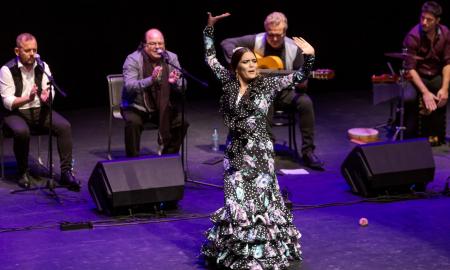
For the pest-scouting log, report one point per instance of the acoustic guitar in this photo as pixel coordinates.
(273, 65)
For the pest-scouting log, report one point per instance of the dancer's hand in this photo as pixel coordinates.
(213, 19)
(304, 45)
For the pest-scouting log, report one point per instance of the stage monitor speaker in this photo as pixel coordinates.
(389, 167)
(120, 185)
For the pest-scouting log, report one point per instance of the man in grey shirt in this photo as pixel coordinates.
(152, 89)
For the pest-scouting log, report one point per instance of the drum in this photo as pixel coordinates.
(363, 135)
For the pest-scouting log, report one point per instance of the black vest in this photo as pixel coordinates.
(17, 77)
(18, 81)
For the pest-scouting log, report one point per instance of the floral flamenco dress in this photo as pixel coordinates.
(254, 229)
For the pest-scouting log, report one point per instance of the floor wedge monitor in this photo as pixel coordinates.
(389, 167)
(116, 185)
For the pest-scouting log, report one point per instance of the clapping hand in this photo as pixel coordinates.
(157, 73)
(45, 94)
(33, 93)
(304, 45)
(213, 19)
(173, 76)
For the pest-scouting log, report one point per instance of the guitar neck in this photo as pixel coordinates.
(319, 74)
(275, 72)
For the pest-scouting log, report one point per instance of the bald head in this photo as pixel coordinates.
(154, 40)
(153, 33)
(21, 38)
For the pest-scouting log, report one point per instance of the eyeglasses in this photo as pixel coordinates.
(153, 44)
(275, 35)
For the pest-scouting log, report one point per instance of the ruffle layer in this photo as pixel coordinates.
(244, 237)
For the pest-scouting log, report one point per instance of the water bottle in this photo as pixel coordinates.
(73, 166)
(215, 140)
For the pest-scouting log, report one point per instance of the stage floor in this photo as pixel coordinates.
(402, 234)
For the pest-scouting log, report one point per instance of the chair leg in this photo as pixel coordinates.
(290, 126)
(292, 135)
(184, 156)
(109, 135)
(39, 152)
(2, 157)
(294, 138)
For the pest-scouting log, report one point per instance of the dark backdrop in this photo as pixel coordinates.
(83, 41)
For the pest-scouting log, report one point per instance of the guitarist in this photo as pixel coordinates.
(273, 42)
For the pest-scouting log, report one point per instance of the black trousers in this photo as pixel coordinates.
(419, 125)
(134, 125)
(22, 122)
(290, 99)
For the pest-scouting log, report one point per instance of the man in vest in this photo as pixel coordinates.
(274, 42)
(152, 93)
(25, 94)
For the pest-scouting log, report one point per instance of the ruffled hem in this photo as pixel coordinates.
(244, 237)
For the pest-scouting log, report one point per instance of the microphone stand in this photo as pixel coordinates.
(50, 185)
(403, 84)
(184, 73)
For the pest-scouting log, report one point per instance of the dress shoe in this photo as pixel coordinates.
(312, 161)
(69, 180)
(24, 180)
(434, 141)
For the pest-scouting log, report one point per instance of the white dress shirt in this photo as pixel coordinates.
(8, 88)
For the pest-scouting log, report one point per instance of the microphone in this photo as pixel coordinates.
(38, 59)
(163, 53)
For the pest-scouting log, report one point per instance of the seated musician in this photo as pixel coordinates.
(151, 93)
(429, 68)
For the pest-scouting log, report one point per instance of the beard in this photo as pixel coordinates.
(27, 63)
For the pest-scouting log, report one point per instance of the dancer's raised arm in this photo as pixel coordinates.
(210, 52)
